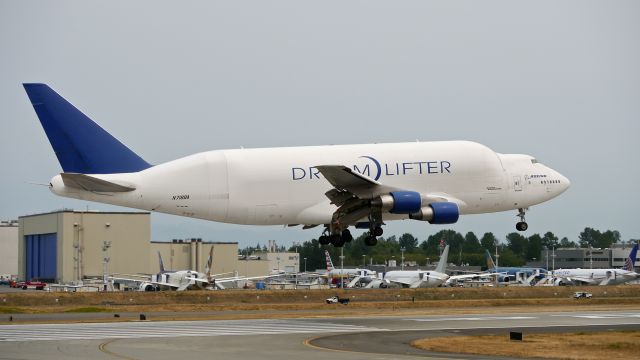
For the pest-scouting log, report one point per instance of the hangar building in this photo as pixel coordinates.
(67, 245)
(8, 248)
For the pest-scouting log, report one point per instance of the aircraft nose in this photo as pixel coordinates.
(564, 181)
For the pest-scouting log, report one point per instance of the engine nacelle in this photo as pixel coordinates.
(399, 202)
(437, 213)
(147, 287)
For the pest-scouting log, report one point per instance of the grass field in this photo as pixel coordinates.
(362, 301)
(582, 346)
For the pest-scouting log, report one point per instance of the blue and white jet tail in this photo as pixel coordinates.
(629, 263)
(79, 143)
(489, 260)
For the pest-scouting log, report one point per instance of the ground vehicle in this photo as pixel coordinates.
(336, 299)
(24, 285)
(582, 295)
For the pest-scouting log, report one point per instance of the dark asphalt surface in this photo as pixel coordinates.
(350, 338)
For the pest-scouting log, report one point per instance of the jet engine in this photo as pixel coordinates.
(411, 203)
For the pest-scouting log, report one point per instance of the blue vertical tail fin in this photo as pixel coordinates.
(79, 143)
(629, 263)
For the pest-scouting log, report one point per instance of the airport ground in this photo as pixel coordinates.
(269, 325)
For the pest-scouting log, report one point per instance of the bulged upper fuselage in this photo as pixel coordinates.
(274, 186)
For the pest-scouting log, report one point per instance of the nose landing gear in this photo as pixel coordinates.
(522, 224)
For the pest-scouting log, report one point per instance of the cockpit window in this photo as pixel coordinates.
(534, 161)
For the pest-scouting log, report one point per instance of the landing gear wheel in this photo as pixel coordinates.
(336, 240)
(346, 235)
(378, 231)
(522, 226)
(370, 240)
(323, 240)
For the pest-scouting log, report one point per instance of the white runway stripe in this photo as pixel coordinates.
(94, 331)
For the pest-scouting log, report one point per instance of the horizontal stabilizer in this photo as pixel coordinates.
(93, 184)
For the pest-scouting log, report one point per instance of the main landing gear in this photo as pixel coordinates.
(341, 238)
(337, 240)
(522, 224)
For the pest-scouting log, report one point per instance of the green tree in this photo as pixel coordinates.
(565, 243)
(608, 238)
(489, 242)
(589, 237)
(594, 238)
(534, 247)
(471, 244)
(409, 242)
(549, 240)
(517, 244)
(509, 258)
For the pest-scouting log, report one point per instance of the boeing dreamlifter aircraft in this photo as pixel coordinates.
(336, 186)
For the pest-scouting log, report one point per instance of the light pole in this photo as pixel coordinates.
(402, 250)
(546, 255)
(105, 265)
(342, 267)
(305, 265)
(364, 261)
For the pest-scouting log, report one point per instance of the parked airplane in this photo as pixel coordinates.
(524, 275)
(597, 276)
(334, 273)
(175, 280)
(423, 278)
(336, 186)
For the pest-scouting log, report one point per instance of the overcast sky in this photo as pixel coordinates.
(556, 80)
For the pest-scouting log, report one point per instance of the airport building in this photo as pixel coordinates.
(8, 249)
(585, 258)
(66, 246)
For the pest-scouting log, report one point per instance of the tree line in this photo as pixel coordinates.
(515, 250)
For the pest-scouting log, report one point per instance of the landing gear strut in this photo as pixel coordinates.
(522, 224)
(336, 239)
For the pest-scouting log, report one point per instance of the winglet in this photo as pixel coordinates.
(79, 143)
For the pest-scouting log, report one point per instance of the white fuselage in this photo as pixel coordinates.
(339, 273)
(276, 186)
(416, 278)
(594, 276)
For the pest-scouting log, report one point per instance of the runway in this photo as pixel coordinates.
(317, 338)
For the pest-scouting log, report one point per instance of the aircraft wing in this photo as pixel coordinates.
(352, 193)
(349, 184)
(582, 280)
